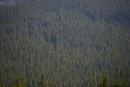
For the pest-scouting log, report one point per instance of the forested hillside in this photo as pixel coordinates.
(64, 43)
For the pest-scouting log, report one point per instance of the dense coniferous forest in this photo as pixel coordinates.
(64, 43)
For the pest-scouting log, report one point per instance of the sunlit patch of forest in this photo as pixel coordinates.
(65, 43)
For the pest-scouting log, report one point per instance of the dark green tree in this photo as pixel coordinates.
(120, 83)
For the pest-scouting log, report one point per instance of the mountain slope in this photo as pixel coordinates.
(65, 40)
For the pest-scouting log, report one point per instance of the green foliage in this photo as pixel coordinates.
(120, 83)
(20, 82)
(44, 82)
(114, 83)
(64, 38)
(73, 83)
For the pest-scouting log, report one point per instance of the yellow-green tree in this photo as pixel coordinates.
(20, 82)
(44, 82)
(73, 83)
